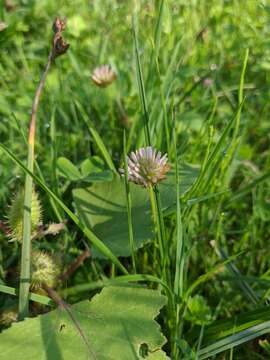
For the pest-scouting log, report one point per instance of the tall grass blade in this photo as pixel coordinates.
(141, 84)
(97, 138)
(248, 291)
(179, 261)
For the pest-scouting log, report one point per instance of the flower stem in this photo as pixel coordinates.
(129, 213)
(157, 224)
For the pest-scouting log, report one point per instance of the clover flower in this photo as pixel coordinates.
(103, 75)
(147, 166)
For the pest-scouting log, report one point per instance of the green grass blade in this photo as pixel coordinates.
(141, 85)
(248, 291)
(34, 297)
(201, 279)
(87, 232)
(211, 163)
(240, 94)
(97, 138)
(235, 340)
(179, 261)
(25, 274)
(248, 188)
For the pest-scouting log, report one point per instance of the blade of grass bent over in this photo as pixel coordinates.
(87, 232)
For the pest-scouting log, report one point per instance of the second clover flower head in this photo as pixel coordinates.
(147, 166)
(103, 76)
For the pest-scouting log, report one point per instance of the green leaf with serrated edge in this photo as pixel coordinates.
(102, 207)
(115, 324)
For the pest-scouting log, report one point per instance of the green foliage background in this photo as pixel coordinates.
(200, 58)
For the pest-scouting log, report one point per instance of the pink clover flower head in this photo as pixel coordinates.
(103, 76)
(147, 166)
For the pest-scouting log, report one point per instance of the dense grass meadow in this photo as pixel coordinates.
(110, 250)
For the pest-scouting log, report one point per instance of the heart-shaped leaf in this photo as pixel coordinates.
(102, 207)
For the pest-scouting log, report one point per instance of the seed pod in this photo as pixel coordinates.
(15, 215)
(44, 270)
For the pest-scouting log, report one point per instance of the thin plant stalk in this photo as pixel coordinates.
(163, 102)
(129, 211)
(179, 263)
(26, 244)
(59, 47)
(156, 220)
(179, 260)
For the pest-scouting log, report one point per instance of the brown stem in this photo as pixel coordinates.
(32, 128)
(63, 305)
(74, 266)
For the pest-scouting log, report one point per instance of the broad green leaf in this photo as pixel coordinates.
(115, 324)
(102, 207)
(67, 169)
(92, 165)
(106, 175)
(92, 170)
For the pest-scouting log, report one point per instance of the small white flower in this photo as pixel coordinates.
(146, 166)
(103, 75)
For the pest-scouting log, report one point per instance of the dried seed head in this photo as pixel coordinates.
(60, 47)
(103, 75)
(146, 166)
(15, 215)
(44, 270)
(59, 25)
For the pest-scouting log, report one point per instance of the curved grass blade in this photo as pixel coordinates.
(87, 232)
(97, 138)
(45, 300)
(234, 340)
